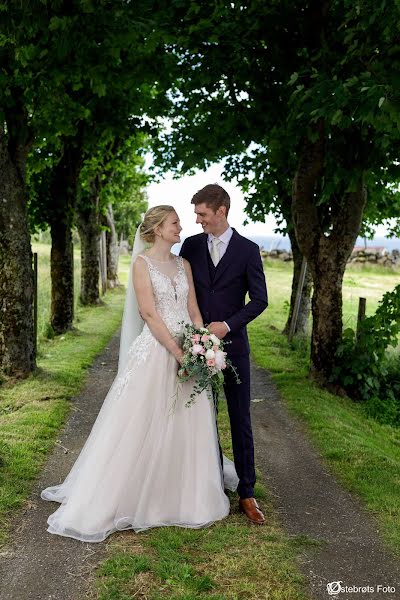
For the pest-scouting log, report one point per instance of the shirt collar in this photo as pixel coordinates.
(224, 237)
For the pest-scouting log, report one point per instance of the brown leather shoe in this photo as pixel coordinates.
(250, 508)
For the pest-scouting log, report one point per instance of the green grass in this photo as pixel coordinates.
(44, 286)
(368, 281)
(364, 455)
(227, 561)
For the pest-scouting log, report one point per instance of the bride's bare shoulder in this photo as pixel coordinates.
(186, 263)
(140, 268)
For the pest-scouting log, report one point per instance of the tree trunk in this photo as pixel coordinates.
(89, 230)
(112, 250)
(328, 267)
(305, 302)
(326, 242)
(62, 276)
(17, 355)
(63, 192)
(328, 271)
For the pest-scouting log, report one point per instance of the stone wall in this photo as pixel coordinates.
(285, 255)
(378, 257)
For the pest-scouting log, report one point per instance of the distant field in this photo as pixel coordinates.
(370, 282)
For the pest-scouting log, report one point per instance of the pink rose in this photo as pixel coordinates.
(211, 362)
(205, 337)
(196, 338)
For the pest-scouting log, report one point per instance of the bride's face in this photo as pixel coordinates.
(171, 229)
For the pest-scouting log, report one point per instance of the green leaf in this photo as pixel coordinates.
(337, 117)
(294, 77)
(381, 101)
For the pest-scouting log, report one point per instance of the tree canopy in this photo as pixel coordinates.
(257, 78)
(73, 77)
(299, 94)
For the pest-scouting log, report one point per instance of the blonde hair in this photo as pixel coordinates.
(152, 219)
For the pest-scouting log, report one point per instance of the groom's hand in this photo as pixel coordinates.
(218, 328)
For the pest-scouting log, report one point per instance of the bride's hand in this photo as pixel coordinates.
(179, 356)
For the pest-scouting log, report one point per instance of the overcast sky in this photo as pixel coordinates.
(178, 193)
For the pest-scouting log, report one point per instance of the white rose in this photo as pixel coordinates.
(210, 354)
(216, 341)
(220, 359)
(196, 349)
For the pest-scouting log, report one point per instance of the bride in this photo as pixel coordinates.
(149, 461)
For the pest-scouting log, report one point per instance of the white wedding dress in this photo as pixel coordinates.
(149, 461)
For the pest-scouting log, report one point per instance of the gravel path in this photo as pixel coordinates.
(311, 503)
(40, 566)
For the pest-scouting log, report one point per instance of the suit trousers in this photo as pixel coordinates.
(238, 401)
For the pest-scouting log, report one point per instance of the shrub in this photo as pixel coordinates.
(364, 367)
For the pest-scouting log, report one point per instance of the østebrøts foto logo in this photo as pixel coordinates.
(334, 588)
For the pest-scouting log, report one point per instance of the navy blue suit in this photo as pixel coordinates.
(221, 295)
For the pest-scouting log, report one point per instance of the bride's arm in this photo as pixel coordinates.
(193, 307)
(147, 308)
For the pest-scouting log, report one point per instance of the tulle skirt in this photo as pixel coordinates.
(149, 460)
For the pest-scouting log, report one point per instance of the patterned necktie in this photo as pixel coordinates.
(215, 251)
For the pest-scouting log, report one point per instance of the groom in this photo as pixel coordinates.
(227, 266)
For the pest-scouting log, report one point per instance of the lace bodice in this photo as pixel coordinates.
(171, 288)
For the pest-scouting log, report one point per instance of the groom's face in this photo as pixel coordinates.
(208, 219)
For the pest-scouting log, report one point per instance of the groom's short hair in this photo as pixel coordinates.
(213, 196)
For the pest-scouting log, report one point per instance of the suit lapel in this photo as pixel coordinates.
(204, 258)
(228, 257)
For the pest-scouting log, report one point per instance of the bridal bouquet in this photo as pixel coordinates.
(204, 360)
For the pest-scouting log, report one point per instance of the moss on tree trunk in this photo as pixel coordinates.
(17, 357)
(61, 212)
(112, 250)
(62, 276)
(89, 229)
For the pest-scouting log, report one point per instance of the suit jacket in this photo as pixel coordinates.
(221, 292)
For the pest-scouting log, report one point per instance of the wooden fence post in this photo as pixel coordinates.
(362, 303)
